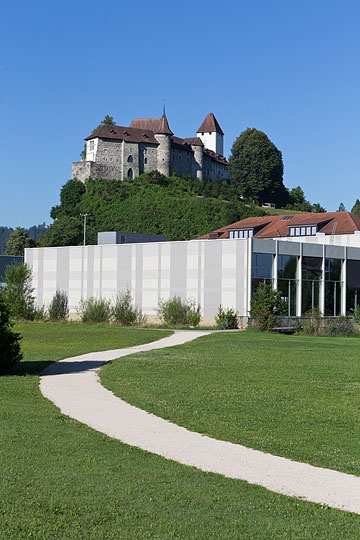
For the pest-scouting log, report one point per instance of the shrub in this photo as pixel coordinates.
(194, 315)
(40, 314)
(312, 324)
(9, 340)
(59, 307)
(95, 310)
(174, 312)
(18, 292)
(266, 305)
(124, 312)
(339, 326)
(357, 314)
(226, 319)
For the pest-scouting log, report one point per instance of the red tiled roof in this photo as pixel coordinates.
(215, 156)
(210, 124)
(277, 227)
(180, 143)
(194, 141)
(153, 124)
(123, 133)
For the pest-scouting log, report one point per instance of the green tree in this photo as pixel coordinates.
(317, 208)
(266, 305)
(341, 207)
(18, 291)
(9, 340)
(70, 196)
(65, 231)
(108, 121)
(256, 168)
(298, 201)
(18, 241)
(356, 208)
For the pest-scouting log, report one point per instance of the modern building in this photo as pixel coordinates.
(148, 144)
(318, 269)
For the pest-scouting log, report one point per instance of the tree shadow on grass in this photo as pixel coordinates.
(44, 368)
(26, 368)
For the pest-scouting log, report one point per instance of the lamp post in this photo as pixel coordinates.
(85, 215)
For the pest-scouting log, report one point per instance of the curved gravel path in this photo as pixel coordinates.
(73, 386)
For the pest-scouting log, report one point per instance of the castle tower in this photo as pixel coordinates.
(163, 136)
(211, 134)
(198, 149)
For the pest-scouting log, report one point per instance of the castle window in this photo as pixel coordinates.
(145, 160)
(130, 174)
(130, 159)
(91, 146)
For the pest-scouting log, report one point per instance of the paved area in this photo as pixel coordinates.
(73, 386)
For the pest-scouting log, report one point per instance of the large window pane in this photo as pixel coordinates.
(332, 287)
(311, 268)
(352, 285)
(352, 300)
(261, 270)
(310, 295)
(332, 298)
(287, 266)
(287, 288)
(332, 269)
(262, 265)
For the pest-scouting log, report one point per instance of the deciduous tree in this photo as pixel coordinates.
(256, 168)
(18, 241)
(356, 208)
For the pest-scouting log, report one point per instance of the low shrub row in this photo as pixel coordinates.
(122, 311)
(315, 325)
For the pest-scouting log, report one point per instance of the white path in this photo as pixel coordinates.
(73, 386)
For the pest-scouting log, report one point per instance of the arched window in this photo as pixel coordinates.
(130, 174)
(130, 159)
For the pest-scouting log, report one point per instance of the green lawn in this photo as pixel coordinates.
(292, 396)
(62, 480)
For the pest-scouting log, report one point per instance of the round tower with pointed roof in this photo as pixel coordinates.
(211, 134)
(163, 136)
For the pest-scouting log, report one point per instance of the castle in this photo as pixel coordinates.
(148, 144)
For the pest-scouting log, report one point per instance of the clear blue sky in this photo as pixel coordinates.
(288, 68)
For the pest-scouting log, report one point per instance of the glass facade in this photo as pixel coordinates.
(311, 273)
(333, 284)
(287, 281)
(330, 284)
(352, 286)
(261, 269)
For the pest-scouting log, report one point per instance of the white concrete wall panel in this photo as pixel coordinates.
(178, 265)
(209, 272)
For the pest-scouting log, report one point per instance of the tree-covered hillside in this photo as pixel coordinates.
(180, 208)
(33, 232)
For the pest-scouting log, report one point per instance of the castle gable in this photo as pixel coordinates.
(210, 124)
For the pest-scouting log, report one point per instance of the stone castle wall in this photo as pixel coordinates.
(182, 161)
(214, 169)
(119, 160)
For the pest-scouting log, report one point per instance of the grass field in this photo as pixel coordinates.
(292, 396)
(62, 480)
